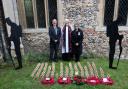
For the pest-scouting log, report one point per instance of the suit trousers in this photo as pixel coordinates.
(53, 51)
(77, 50)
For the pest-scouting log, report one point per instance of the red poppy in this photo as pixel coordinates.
(62, 80)
(107, 81)
(93, 80)
(48, 80)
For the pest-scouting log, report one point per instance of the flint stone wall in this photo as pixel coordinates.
(84, 12)
(81, 11)
(94, 42)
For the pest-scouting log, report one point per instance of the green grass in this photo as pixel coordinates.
(12, 79)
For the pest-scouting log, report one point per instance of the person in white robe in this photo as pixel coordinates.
(66, 41)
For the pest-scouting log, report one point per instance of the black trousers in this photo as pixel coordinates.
(66, 56)
(112, 44)
(18, 52)
(53, 51)
(77, 50)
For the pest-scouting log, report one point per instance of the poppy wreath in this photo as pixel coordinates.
(79, 80)
(67, 80)
(107, 81)
(93, 80)
(48, 80)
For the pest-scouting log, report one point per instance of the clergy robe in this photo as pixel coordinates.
(66, 42)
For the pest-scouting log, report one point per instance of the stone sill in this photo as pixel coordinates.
(45, 30)
(36, 30)
(121, 28)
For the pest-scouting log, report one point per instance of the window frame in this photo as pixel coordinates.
(100, 18)
(23, 22)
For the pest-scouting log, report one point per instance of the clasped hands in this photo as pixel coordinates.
(55, 41)
(77, 44)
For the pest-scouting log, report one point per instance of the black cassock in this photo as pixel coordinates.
(77, 37)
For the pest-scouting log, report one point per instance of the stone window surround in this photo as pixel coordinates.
(22, 15)
(39, 30)
(100, 27)
(100, 19)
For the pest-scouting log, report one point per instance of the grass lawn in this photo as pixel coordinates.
(12, 79)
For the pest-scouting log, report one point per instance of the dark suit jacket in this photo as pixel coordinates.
(53, 36)
(77, 37)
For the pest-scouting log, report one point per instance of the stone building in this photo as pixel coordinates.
(35, 17)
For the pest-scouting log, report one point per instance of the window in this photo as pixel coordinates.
(29, 13)
(52, 6)
(40, 6)
(38, 13)
(122, 11)
(109, 11)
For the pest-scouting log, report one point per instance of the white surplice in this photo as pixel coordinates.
(66, 48)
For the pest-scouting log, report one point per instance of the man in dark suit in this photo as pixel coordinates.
(77, 39)
(112, 33)
(54, 34)
(16, 33)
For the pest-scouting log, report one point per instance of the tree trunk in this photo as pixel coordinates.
(3, 36)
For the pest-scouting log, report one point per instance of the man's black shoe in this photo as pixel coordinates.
(77, 60)
(112, 67)
(18, 68)
(56, 60)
